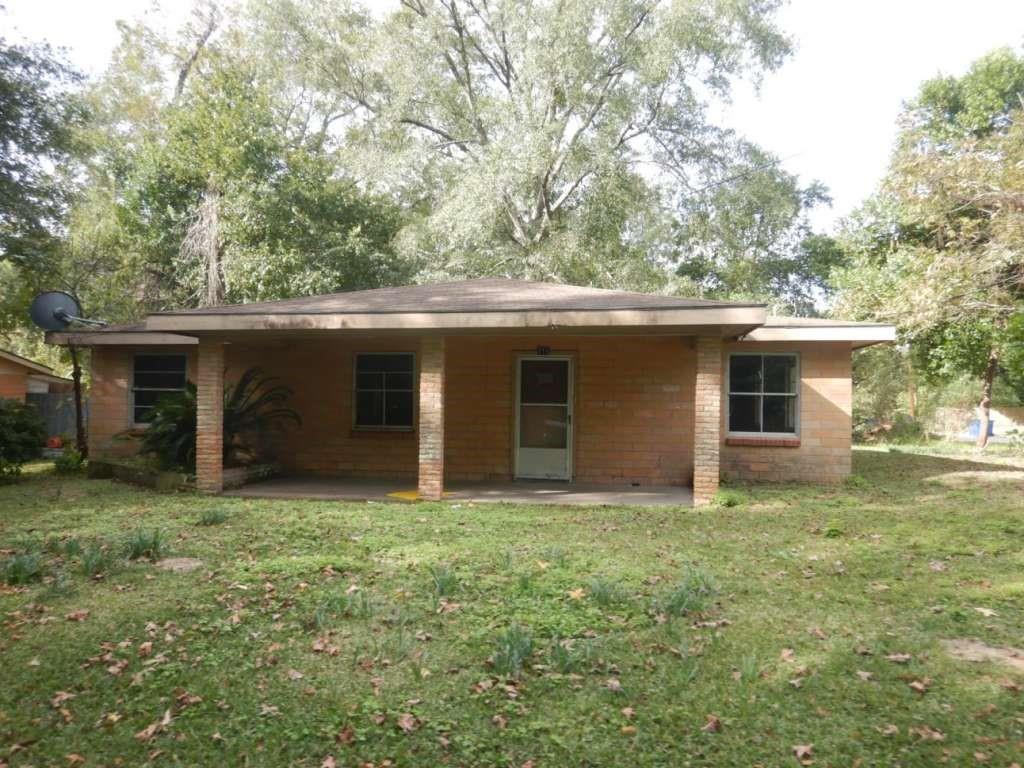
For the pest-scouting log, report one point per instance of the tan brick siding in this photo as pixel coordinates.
(825, 409)
(320, 373)
(707, 419)
(210, 417)
(634, 408)
(111, 433)
(633, 403)
(431, 417)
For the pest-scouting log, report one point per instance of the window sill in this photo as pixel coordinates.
(378, 431)
(764, 442)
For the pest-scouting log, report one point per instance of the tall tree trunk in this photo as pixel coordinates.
(76, 378)
(985, 406)
(202, 245)
(911, 389)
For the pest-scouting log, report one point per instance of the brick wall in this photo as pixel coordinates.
(111, 432)
(320, 373)
(210, 417)
(707, 419)
(633, 422)
(431, 417)
(823, 454)
(13, 382)
(633, 419)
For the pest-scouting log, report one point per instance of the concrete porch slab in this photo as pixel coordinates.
(517, 492)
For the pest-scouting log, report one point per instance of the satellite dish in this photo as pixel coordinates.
(56, 310)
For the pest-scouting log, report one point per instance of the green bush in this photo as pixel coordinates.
(512, 650)
(254, 406)
(22, 436)
(728, 498)
(69, 462)
(97, 560)
(149, 544)
(22, 569)
(212, 517)
(693, 593)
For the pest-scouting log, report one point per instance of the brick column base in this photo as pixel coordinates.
(431, 418)
(210, 418)
(707, 419)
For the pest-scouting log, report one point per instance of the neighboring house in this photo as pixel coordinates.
(20, 376)
(492, 380)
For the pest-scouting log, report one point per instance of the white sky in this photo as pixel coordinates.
(830, 111)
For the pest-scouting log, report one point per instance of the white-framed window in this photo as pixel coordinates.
(384, 390)
(155, 376)
(764, 394)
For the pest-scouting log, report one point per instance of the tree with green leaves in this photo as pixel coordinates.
(940, 251)
(38, 117)
(546, 140)
(217, 180)
(749, 236)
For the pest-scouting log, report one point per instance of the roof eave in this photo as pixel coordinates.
(442, 321)
(857, 335)
(117, 338)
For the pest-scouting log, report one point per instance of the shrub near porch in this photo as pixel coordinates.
(340, 634)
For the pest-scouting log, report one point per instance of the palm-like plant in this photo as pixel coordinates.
(253, 407)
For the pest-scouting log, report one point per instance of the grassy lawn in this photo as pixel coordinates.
(454, 634)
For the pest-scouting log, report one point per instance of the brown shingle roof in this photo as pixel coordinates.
(485, 295)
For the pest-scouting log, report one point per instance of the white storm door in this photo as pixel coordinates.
(544, 418)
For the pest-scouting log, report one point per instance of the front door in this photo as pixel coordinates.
(544, 418)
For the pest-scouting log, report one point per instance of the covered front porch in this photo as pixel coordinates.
(551, 417)
(513, 492)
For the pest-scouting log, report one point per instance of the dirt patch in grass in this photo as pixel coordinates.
(974, 478)
(179, 564)
(975, 650)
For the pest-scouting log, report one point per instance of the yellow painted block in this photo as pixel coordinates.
(412, 495)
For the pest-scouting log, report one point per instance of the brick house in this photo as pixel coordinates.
(20, 377)
(495, 380)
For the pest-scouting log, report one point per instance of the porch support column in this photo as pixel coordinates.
(707, 419)
(210, 417)
(431, 418)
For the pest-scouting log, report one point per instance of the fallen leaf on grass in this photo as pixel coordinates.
(613, 685)
(628, 712)
(986, 612)
(346, 735)
(60, 697)
(920, 686)
(927, 733)
(407, 722)
(865, 676)
(576, 594)
(183, 698)
(294, 674)
(329, 762)
(80, 615)
(157, 726)
(712, 724)
(145, 649)
(788, 654)
(322, 645)
(898, 658)
(803, 753)
(74, 759)
(981, 757)
(500, 722)
(889, 730)
(629, 730)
